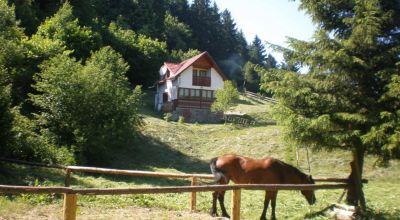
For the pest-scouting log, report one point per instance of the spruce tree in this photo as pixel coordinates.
(229, 33)
(349, 99)
(257, 52)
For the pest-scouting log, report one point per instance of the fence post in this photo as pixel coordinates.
(194, 195)
(67, 177)
(70, 206)
(235, 212)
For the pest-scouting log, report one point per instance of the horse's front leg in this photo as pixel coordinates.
(266, 203)
(221, 198)
(213, 211)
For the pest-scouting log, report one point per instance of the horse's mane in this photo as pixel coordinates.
(293, 168)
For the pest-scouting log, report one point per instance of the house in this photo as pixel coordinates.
(188, 88)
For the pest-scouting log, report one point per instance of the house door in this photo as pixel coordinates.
(165, 97)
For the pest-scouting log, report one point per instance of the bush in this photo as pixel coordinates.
(6, 118)
(30, 145)
(89, 108)
(181, 120)
(168, 117)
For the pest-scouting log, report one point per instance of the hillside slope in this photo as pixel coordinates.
(175, 147)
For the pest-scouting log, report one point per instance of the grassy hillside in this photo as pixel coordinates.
(171, 146)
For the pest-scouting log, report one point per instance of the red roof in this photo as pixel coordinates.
(176, 69)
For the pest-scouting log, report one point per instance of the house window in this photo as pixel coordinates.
(201, 77)
(184, 93)
(196, 94)
(207, 94)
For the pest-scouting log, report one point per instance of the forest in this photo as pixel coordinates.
(61, 60)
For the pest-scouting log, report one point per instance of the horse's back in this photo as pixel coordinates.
(242, 169)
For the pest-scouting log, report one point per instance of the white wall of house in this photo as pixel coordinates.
(159, 96)
(185, 80)
(169, 90)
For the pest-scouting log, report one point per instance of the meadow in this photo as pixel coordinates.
(183, 147)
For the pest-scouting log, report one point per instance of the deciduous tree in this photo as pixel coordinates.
(225, 98)
(89, 108)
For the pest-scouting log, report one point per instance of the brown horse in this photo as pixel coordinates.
(244, 170)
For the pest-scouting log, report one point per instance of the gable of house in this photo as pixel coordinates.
(201, 61)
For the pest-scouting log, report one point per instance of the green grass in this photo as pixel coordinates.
(175, 147)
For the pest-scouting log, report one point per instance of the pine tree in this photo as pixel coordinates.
(176, 33)
(229, 33)
(242, 47)
(257, 53)
(179, 9)
(207, 28)
(349, 99)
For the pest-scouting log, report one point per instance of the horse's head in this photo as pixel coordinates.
(309, 194)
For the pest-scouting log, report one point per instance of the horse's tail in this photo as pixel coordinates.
(218, 174)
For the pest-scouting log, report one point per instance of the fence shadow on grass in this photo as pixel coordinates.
(12, 174)
(147, 154)
(150, 154)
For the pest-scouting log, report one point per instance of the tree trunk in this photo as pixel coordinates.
(355, 195)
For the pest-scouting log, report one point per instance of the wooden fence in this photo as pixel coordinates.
(70, 193)
(257, 96)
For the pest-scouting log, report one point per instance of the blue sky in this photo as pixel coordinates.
(271, 20)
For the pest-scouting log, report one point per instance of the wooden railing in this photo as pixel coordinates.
(70, 194)
(257, 96)
(200, 103)
(201, 81)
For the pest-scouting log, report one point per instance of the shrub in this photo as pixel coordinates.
(89, 108)
(168, 117)
(181, 120)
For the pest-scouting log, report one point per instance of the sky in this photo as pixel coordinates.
(270, 20)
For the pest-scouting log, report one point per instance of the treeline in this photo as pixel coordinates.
(148, 32)
(71, 71)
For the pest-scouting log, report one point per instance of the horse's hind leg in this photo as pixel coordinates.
(221, 198)
(213, 211)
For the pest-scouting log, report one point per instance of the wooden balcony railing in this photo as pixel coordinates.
(185, 103)
(201, 81)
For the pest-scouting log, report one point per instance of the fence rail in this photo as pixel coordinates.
(144, 173)
(137, 172)
(70, 194)
(257, 96)
(10, 189)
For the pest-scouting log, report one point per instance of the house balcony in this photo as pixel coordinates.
(201, 81)
(190, 103)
